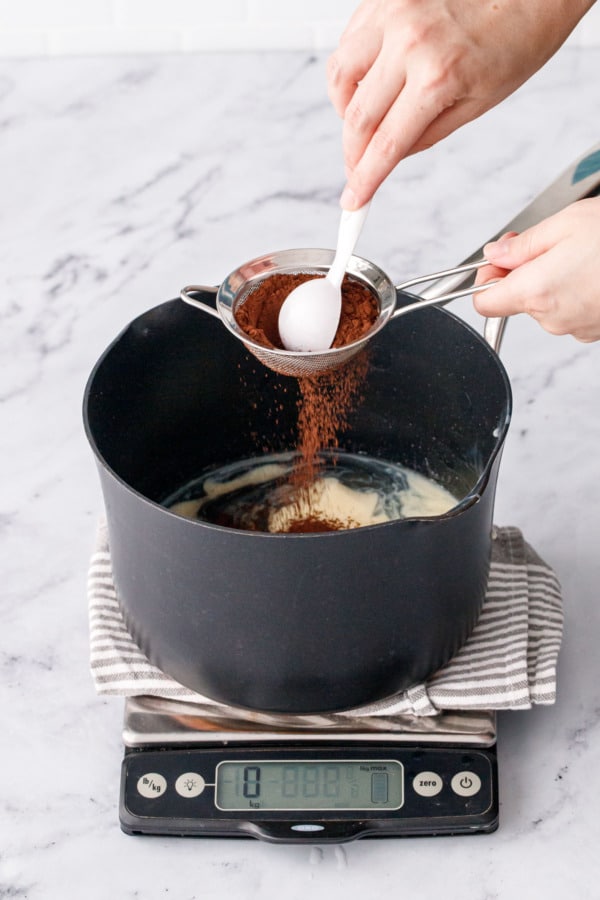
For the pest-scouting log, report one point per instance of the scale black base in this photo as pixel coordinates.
(191, 770)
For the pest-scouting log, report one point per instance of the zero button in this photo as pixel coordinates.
(427, 784)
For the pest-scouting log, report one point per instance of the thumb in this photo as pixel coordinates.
(504, 252)
(514, 249)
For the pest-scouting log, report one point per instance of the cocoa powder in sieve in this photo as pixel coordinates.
(326, 400)
(258, 315)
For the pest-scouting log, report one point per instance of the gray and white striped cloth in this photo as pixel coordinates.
(509, 662)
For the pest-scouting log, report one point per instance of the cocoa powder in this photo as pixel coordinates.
(312, 523)
(325, 404)
(326, 400)
(258, 315)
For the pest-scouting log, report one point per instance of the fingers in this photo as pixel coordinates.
(512, 295)
(392, 140)
(358, 50)
(506, 298)
(393, 114)
(538, 291)
(512, 250)
(493, 272)
(490, 273)
(513, 255)
(372, 101)
(345, 71)
(553, 273)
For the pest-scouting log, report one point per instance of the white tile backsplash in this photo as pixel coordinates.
(102, 41)
(220, 36)
(307, 10)
(92, 27)
(180, 13)
(15, 42)
(36, 15)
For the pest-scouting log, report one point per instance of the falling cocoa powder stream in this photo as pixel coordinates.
(325, 400)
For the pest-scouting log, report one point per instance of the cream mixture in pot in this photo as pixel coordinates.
(345, 491)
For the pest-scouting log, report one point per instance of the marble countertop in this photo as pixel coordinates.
(122, 180)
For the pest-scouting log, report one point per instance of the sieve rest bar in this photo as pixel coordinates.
(186, 296)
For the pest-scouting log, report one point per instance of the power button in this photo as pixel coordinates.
(466, 784)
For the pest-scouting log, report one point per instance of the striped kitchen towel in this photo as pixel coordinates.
(509, 661)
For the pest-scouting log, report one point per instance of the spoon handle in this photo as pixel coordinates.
(351, 225)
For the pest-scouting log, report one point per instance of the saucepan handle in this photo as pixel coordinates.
(186, 295)
(581, 179)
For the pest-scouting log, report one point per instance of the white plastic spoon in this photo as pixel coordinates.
(310, 315)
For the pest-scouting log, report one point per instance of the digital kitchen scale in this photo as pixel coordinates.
(195, 770)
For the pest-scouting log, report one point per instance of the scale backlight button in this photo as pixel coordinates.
(466, 784)
(427, 784)
(151, 785)
(190, 784)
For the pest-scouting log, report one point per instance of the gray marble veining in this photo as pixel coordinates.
(122, 180)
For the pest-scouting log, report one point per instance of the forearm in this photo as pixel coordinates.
(551, 21)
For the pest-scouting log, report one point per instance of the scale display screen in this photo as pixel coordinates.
(290, 793)
(309, 784)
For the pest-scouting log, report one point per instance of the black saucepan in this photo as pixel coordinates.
(295, 623)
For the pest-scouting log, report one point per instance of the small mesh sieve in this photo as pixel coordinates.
(240, 284)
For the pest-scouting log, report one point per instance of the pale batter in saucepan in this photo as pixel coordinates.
(348, 491)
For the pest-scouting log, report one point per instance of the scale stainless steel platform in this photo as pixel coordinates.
(200, 770)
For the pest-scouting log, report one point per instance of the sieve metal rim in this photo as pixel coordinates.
(236, 287)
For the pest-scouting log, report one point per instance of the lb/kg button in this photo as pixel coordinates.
(466, 784)
(151, 785)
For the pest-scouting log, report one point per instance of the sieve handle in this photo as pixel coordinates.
(186, 292)
(448, 273)
(443, 298)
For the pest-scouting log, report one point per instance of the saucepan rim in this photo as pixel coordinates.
(466, 502)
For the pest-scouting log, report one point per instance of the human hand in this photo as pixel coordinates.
(409, 72)
(550, 271)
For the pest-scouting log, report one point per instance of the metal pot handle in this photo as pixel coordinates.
(581, 179)
(186, 292)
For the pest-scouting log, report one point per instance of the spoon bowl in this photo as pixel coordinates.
(310, 315)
